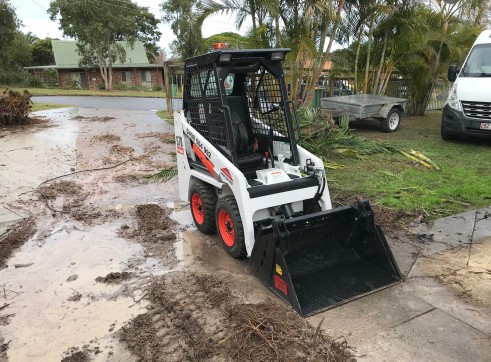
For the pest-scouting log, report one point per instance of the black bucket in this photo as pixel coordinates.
(318, 261)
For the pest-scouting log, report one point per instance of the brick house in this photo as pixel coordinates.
(136, 71)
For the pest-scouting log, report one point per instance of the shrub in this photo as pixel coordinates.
(120, 86)
(51, 76)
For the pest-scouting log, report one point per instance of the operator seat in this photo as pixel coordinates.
(245, 157)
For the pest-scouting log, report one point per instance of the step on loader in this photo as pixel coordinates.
(246, 177)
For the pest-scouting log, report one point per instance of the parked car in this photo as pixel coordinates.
(468, 107)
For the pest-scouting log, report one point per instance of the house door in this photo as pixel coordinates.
(83, 81)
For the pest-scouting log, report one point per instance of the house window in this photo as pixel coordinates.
(146, 78)
(126, 76)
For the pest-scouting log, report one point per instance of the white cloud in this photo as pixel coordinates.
(35, 19)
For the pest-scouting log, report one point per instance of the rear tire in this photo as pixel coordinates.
(447, 136)
(393, 120)
(203, 199)
(230, 228)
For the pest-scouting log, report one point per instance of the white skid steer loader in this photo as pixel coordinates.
(245, 176)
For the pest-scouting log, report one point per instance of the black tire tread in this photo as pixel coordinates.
(238, 250)
(385, 121)
(209, 200)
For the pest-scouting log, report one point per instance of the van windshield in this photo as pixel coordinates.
(479, 62)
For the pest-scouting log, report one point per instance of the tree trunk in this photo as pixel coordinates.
(421, 109)
(102, 68)
(357, 56)
(378, 83)
(168, 90)
(252, 8)
(109, 84)
(320, 67)
(277, 30)
(369, 50)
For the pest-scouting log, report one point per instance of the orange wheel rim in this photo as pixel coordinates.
(197, 208)
(226, 227)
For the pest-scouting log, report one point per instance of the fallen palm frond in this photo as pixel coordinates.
(331, 165)
(320, 135)
(415, 159)
(398, 176)
(14, 107)
(164, 175)
(419, 155)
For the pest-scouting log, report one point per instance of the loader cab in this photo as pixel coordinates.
(237, 100)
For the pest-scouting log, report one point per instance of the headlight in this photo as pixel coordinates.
(452, 99)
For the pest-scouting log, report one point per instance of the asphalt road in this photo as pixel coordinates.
(125, 103)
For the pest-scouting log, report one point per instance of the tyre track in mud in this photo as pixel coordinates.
(203, 317)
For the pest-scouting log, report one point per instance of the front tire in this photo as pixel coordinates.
(203, 200)
(230, 228)
(393, 120)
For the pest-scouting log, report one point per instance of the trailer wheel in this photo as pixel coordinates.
(203, 200)
(393, 120)
(230, 229)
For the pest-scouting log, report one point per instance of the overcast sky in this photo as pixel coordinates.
(35, 19)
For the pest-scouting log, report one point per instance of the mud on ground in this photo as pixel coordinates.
(155, 229)
(15, 236)
(199, 317)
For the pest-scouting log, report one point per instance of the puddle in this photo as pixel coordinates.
(468, 275)
(66, 265)
(52, 147)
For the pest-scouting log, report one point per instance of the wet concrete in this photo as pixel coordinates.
(442, 310)
(54, 302)
(28, 158)
(36, 328)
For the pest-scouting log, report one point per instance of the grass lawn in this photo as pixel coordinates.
(85, 92)
(166, 117)
(392, 180)
(46, 106)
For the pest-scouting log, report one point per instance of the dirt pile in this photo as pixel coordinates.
(466, 272)
(114, 278)
(153, 224)
(106, 137)
(94, 119)
(63, 195)
(197, 317)
(15, 237)
(154, 229)
(165, 137)
(79, 356)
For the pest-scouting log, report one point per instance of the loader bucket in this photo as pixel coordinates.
(318, 261)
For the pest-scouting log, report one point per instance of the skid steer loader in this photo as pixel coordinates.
(245, 176)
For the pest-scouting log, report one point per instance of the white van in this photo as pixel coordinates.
(468, 107)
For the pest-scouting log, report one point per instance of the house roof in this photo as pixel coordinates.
(67, 56)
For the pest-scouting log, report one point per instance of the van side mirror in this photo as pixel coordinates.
(453, 70)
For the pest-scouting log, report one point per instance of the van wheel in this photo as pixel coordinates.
(203, 200)
(230, 229)
(447, 136)
(393, 120)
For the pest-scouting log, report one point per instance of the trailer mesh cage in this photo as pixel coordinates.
(249, 88)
